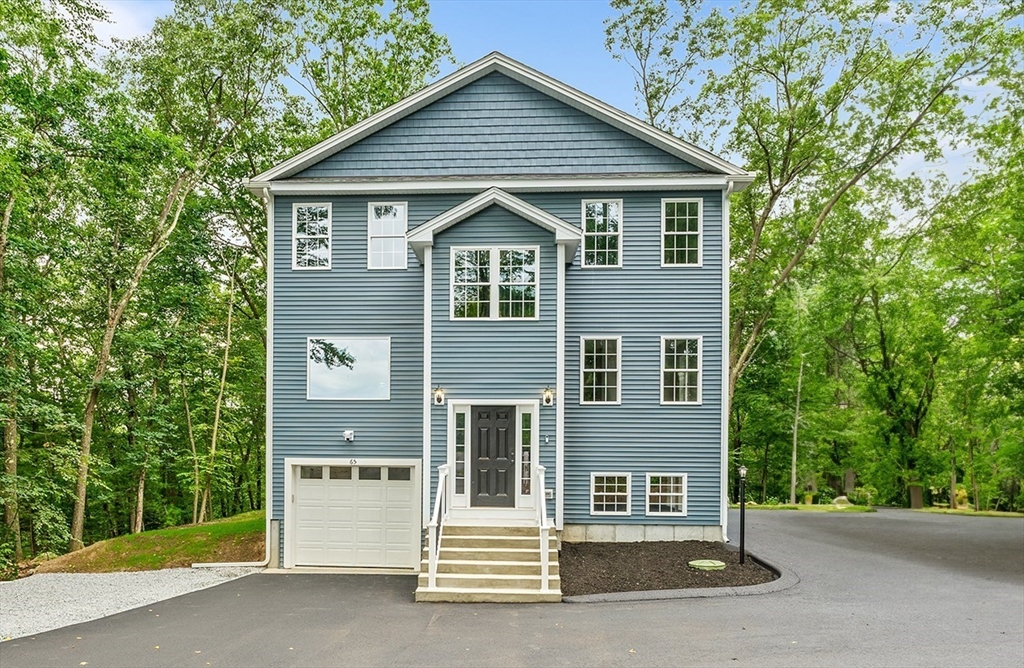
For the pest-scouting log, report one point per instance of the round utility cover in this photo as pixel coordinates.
(707, 564)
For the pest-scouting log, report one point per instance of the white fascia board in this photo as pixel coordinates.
(565, 234)
(496, 62)
(514, 184)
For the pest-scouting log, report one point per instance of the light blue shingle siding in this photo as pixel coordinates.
(493, 359)
(497, 125)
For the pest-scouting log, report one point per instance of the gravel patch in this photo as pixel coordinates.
(47, 601)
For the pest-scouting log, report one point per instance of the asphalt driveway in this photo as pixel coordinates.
(892, 588)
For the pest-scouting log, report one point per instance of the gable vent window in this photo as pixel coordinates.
(311, 236)
(386, 244)
(602, 233)
(494, 283)
(681, 223)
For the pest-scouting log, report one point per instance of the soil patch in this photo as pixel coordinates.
(602, 568)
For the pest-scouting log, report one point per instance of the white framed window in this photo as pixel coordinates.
(348, 368)
(666, 494)
(495, 283)
(602, 233)
(311, 235)
(682, 221)
(386, 244)
(609, 493)
(681, 369)
(461, 448)
(600, 364)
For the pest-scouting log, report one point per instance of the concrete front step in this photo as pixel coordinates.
(459, 530)
(490, 566)
(461, 595)
(491, 581)
(487, 554)
(495, 542)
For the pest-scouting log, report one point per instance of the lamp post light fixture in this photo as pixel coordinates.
(743, 512)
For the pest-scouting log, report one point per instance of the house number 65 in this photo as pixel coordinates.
(352, 462)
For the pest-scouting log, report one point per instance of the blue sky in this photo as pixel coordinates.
(562, 38)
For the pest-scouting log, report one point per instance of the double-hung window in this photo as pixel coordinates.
(494, 283)
(681, 223)
(680, 370)
(386, 244)
(600, 380)
(602, 233)
(311, 236)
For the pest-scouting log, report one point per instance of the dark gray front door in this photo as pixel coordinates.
(493, 457)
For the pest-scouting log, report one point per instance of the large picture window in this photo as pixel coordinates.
(600, 380)
(680, 370)
(681, 232)
(311, 236)
(602, 233)
(494, 283)
(386, 244)
(348, 368)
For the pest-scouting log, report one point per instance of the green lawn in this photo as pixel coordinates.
(813, 508)
(971, 513)
(238, 538)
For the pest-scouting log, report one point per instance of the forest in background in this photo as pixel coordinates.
(886, 303)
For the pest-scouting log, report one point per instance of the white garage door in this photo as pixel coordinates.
(356, 516)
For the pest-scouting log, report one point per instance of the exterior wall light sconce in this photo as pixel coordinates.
(548, 397)
(439, 396)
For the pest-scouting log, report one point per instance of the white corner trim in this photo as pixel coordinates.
(428, 399)
(726, 351)
(496, 62)
(423, 235)
(618, 234)
(700, 370)
(268, 466)
(700, 229)
(560, 388)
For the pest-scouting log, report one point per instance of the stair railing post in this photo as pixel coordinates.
(435, 527)
(542, 520)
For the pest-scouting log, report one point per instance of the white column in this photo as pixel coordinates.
(725, 359)
(559, 392)
(428, 399)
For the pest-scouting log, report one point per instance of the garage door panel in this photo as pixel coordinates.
(357, 516)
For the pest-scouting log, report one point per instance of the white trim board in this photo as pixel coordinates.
(497, 62)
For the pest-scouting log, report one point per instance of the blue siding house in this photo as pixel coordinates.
(497, 321)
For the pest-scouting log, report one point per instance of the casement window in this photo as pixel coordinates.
(666, 494)
(311, 236)
(600, 380)
(609, 493)
(602, 233)
(386, 244)
(494, 283)
(348, 368)
(681, 225)
(681, 370)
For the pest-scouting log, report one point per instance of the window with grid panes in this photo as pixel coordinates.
(680, 371)
(494, 283)
(609, 494)
(600, 371)
(602, 233)
(311, 236)
(681, 230)
(666, 494)
(526, 441)
(386, 243)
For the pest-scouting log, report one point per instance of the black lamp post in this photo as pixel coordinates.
(743, 512)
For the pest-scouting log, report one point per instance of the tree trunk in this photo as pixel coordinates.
(220, 400)
(165, 224)
(139, 498)
(952, 478)
(12, 520)
(974, 482)
(796, 422)
(195, 455)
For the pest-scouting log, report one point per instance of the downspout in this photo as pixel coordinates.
(730, 185)
(268, 202)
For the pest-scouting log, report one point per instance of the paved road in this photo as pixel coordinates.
(885, 589)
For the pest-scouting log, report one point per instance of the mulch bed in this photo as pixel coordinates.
(601, 568)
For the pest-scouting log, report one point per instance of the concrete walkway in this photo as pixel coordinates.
(892, 588)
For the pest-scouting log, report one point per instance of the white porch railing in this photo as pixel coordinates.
(436, 525)
(542, 521)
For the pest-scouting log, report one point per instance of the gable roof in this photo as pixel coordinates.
(423, 235)
(496, 62)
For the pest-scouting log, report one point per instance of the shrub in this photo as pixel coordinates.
(862, 496)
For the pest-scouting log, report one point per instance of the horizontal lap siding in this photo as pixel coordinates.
(496, 125)
(641, 302)
(348, 300)
(495, 359)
